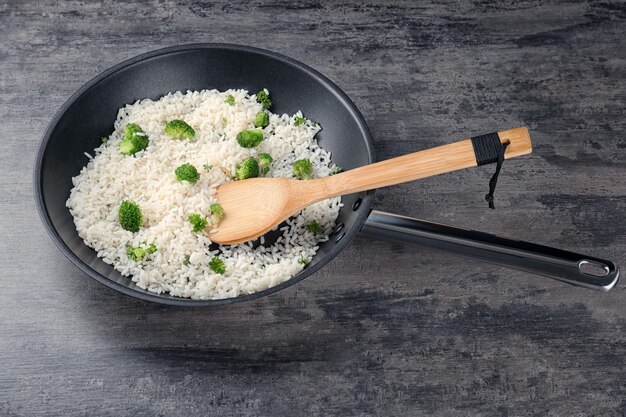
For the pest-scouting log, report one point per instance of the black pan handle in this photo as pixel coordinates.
(582, 270)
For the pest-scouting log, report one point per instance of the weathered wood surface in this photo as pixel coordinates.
(385, 329)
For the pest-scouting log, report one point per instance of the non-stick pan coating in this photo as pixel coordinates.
(89, 114)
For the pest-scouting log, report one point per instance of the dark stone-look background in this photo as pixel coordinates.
(385, 329)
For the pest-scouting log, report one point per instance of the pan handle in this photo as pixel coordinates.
(582, 270)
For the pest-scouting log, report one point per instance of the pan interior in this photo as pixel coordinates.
(90, 114)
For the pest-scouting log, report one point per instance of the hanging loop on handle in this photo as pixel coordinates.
(488, 150)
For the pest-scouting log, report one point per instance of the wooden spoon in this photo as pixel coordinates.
(253, 207)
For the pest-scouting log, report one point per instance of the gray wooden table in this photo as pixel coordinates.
(385, 329)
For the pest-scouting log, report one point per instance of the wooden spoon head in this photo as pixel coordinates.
(251, 208)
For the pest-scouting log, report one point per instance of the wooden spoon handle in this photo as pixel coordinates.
(427, 163)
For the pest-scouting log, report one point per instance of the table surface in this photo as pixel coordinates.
(385, 329)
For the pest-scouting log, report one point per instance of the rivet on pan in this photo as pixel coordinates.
(357, 204)
(340, 237)
(338, 228)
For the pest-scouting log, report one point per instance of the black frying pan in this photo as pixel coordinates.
(89, 114)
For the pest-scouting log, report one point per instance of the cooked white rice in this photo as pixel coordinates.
(180, 265)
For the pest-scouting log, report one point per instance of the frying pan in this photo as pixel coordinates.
(89, 114)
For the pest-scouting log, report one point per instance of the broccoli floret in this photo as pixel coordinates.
(314, 227)
(139, 253)
(135, 140)
(230, 100)
(265, 160)
(299, 120)
(134, 145)
(336, 170)
(262, 119)
(131, 130)
(217, 211)
(187, 172)
(126, 147)
(249, 138)
(129, 216)
(198, 222)
(136, 253)
(303, 169)
(248, 168)
(178, 129)
(217, 265)
(264, 98)
(304, 260)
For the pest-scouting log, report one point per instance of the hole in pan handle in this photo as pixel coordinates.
(573, 268)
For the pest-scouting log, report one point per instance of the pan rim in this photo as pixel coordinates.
(179, 301)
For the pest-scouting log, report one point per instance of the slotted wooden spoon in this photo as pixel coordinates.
(253, 207)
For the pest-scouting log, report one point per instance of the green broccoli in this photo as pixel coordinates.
(248, 168)
(217, 211)
(304, 260)
(230, 100)
(135, 140)
(136, 253)
(265, 160)
(129, 216)
(303, 169)
(197, 221)
(249, 138)
(217, 265)
(336, 170)
(132, 146)
(187, 172)
(264, 98)
(131, 130)
(139, 253)
(299, 120)
(178, 129)
(314, 227)
(262, 119)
